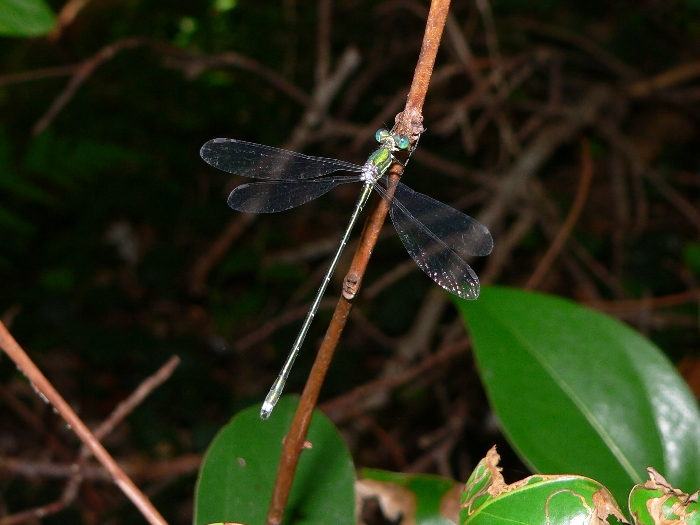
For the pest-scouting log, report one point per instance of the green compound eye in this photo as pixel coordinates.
(402, 141)
(382, 135)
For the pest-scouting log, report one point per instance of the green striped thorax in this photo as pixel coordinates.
(378, 162)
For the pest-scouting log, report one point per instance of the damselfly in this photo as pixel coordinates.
(430, 231)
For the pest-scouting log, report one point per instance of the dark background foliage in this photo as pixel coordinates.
(106, 214)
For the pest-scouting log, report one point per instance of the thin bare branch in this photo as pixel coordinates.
(556, 246)
(81, 74)
(340, 408)
(45, 388)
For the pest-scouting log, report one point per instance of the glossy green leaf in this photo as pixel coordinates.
(579, 392)
(658, 503)
(238, 472)
(422, 499)
(25, 18)
(536, 500)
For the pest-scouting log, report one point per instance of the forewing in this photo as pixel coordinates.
(271, 197)
(264, 162)
(459, 231)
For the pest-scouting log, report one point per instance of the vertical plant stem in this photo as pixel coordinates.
(412, 116)
(410, 123)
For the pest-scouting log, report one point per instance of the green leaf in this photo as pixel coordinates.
(238, 472)
(658, 503)
(422, 499)
(579, 392)
(536, 500)
(25, 18)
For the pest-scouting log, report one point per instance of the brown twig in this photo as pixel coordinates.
(34, 514)
(665, 80)
(268, 328)
(136, 469)
(81, 74)
(289, 316)
(417, 341)
(397, 273)
(314, 249)
(22, 411)
(372, 332)
(70, 493)
(192, 64)
(514, 182)
(480, 94)
(323, 44)
(324, 93)
(614, 64)
(623, 210)
(640, 166)
(481, 91)
(442, 442)
(66, 16)
(508, 137)
(39, 74)
(409, 123)
(502, 251)
(550, 223)
(666, 301)
(563, 234)
(340, 408)
(124, 408)
(22, 360)
(389, 442)
(127, 406)
(449, 168)
(211, 257)
(675, 197)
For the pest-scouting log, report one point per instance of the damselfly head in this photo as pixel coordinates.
(396, 141)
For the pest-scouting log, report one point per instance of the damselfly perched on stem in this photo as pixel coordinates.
(430, 231)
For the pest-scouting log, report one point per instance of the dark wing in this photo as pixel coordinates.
(270, 197)
(459, 231)
(425, 244)
(264, 162)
